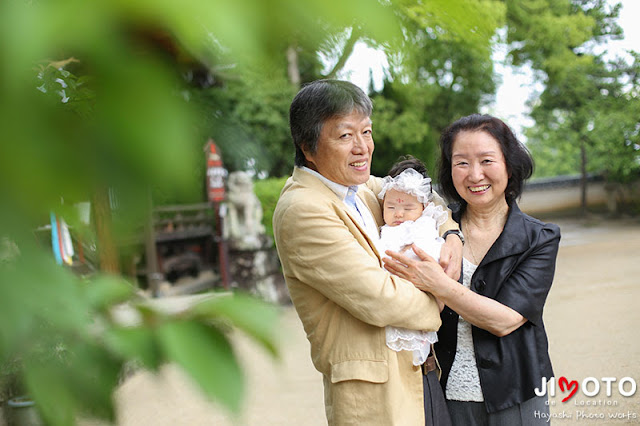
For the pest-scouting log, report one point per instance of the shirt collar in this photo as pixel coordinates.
(340, 190)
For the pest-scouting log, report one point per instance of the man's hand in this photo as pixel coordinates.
(451, 256)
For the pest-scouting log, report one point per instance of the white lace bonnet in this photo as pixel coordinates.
(411, 182)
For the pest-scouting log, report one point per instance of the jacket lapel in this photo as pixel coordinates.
(307, 180)
(372, 202)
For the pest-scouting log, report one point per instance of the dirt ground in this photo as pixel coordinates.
(592, 321)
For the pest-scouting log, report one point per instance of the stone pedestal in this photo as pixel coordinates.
(22, 412)
(258, 272)
(253, 261)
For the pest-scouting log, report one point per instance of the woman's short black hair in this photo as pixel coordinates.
(517, 158)
(317, 102)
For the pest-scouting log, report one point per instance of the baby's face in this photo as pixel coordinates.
(399, 207)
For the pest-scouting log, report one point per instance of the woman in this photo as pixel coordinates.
(493, 348)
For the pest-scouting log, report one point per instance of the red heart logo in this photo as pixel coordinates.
(569, 384)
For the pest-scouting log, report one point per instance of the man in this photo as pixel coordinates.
(325, 225)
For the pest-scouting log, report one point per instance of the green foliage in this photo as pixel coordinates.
(268, 192)
(440, 55)
(587, 115)
(61, 327)
(615, 140)
(98, 105)
(472, 22)
(205, 353)
(136, 343)
(552, 155)
(400, 128)
(250, 121)
(448, 74)
(234, 311)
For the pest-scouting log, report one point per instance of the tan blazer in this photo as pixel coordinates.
(345, 299)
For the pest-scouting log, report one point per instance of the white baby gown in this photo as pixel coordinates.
(424, 233)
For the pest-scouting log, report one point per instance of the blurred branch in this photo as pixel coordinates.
(107, 250)
(293, 67)
(356, 33)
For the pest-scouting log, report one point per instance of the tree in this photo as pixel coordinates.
(250, 121)
(447, 73)
(584, 94)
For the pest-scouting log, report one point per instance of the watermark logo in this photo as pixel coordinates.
(562, 382)
(590, 387)
(594, 399)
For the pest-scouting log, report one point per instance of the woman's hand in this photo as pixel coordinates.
(424, 273)
(427, 275)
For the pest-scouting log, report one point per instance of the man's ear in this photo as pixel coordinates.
(307, 156)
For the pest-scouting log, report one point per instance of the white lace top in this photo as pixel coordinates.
(463, 383)
(424, 233)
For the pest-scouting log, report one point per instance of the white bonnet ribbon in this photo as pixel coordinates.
(410, 182)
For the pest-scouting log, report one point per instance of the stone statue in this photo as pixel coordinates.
(253, 262)
(244, 228)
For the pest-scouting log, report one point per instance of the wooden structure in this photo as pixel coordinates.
(184, 237)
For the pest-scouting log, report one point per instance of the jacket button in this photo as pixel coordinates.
(481, 285)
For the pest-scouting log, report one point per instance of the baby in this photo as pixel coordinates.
(410, 217)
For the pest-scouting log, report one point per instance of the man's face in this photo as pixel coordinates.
(344, 150)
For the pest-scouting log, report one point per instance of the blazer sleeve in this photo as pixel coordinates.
(321, 247)
(527, 287)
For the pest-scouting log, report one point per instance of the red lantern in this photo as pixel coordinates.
(216, 173)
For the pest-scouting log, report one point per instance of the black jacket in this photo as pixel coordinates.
(517, 271)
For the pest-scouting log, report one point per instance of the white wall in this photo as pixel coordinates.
(558, 198)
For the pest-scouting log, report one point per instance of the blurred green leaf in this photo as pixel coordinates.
(78, 381)
(37, 296)
(48, 386)
(206, 355)
(253, 316)
(93, 374)
(135, 343)
(107, 290)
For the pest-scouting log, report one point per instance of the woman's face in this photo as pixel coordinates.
(478, 168)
